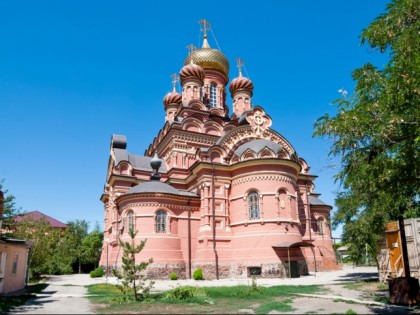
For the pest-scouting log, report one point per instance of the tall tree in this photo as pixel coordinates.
(91, 247)
(9, 206)
(376, 131)
(44, 246)
(76, 232)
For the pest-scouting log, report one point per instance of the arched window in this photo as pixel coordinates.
(213, 95)
(160, 221)
(320, 224)
(253, 206)
(130, 221)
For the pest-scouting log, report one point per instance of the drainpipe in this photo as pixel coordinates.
(189, 239)
(214, 223)
(310, 223)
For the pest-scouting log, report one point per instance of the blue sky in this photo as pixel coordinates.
(72, 73)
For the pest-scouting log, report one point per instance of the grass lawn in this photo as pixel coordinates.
(189, 300)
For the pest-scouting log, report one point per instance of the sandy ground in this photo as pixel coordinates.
(67, 294)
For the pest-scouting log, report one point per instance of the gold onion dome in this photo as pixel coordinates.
(209, 58)
(191, 70)
(241, 84)
(172, 98)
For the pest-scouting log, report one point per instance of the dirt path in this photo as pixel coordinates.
(57, 299)
(340, 300)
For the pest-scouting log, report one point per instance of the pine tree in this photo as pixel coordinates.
(131, 273)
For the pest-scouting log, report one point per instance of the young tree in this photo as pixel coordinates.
(376, 131)
(131, 272)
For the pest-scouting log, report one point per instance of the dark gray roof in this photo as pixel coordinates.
(119, 141)
(138, 162)
(257, 145)
(314, 201)
(158, 187)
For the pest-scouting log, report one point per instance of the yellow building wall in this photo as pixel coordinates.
(15, 266)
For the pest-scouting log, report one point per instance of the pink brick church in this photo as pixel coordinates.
(216, 190)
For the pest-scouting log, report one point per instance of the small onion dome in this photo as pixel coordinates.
(191, 70)
(241, 83)
(211, 59)
(172, 98)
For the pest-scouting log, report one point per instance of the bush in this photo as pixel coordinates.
(173, 276)
(181, 293)
(188, 294)
(198, 274)
(97, 273)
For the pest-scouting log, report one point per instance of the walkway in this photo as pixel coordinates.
(67, 294)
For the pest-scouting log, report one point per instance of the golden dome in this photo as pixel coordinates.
(209, 58)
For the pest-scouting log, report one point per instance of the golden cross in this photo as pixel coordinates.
(191, 48)
(239, 64)
(175, 79)
(206, 26)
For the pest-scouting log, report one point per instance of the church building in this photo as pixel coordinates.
(215, 190)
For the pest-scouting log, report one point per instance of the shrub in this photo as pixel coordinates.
(97, 273)
(173, 276)
(198, 274)
(188, 294)
(181, 293)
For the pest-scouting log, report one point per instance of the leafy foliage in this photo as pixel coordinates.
(74, 236)
(376, 132)
(9, 207)
(44, 255)
(131, 273)
(173, 276)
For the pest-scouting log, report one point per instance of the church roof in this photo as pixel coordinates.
(158, 187)
(138, 162)
(257, 145)
(314, 201)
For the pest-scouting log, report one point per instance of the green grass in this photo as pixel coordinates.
(281, 306)
(7, 303)
(108, 299)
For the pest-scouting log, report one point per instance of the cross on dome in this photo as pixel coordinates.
(175, 79)
(206, 27)
(239, 64)
(191, 48)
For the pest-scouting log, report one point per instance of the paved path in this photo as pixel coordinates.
(57, 299)
(67, 294)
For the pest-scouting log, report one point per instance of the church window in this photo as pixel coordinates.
(253, 206)
(213, 96)
(320, 223)
(160, 221)
(130, 221)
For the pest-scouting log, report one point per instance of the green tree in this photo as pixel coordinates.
(74, 236)
(91, 247)
(44, 246)
(375, 132)
(9, 207)
(131, 273)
